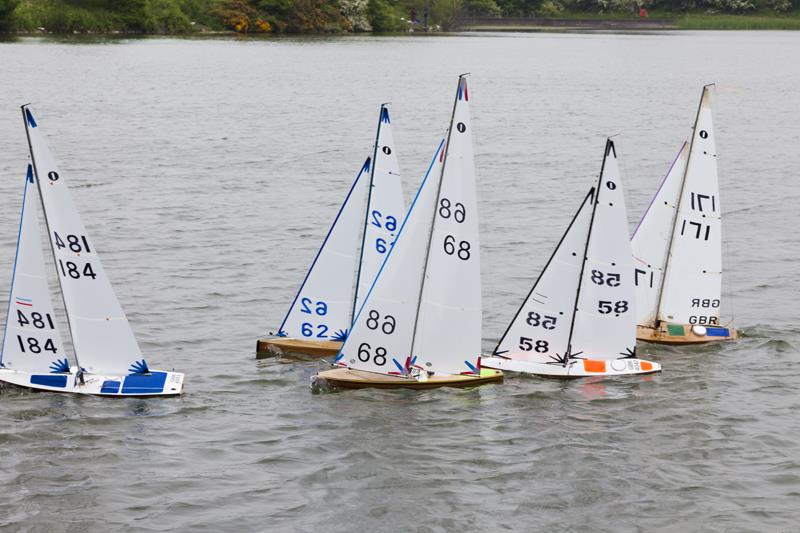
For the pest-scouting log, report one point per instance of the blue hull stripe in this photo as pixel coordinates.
(110, 387)
(48, 380)
(152, 383)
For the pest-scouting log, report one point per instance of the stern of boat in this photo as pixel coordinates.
(282, 346)
(685, 334)
(153, 383)
(578, 368)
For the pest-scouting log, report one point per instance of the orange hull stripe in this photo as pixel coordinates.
(591, 365)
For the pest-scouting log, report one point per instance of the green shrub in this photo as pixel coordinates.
(165, 16)
(383, 16)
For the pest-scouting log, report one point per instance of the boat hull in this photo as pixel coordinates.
(154, 383)
(346, 378)
(579, 368)
(685, 334)
(277, 346)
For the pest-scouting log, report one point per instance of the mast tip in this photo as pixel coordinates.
(28, 117)
(610, 147)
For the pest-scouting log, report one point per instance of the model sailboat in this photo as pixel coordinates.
(677, 247)
(420, 323)
(108, 361)
(321, 314)
(579, 318)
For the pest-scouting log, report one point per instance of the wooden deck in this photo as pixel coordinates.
(277, 346)
(346, 378)
(663, 335)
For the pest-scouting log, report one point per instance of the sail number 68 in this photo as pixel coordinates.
(463, 252)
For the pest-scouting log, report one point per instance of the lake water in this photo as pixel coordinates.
(207, 172)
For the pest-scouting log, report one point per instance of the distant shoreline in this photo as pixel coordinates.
(569, 22)
(541, 23)
(582, 21)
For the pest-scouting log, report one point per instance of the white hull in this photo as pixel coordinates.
(578, 368)
(154, 383)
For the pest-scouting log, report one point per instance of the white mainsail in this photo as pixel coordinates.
(693, 282)
(447, 339)
(540, 330)
(101, 335)
(605, 316)
(650, 241)
(322, 308)
(383, 329)
(32, 342)
(385, 208)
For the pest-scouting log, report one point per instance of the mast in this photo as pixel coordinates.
(433, 222)
(609, 148)
(366, 212)
(25, 117)
(678, 209)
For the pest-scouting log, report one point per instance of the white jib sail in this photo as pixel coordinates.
(650, 241)
(32, 342)
(322, 309)
(540, 330)
(605, 318)
(101, 335)
(447, 339)
(693, 282)
(384, 326)
(385, 208)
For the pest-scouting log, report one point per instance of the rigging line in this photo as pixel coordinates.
(324, 242)
(660, 186)
(541, 273)
(435, 212)
(678, 210)
(366, 214)
(28, 174)
(482, 222)
(391, 250)
(25, 114)
(609, 148)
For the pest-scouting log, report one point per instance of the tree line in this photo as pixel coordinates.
(318, 16)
